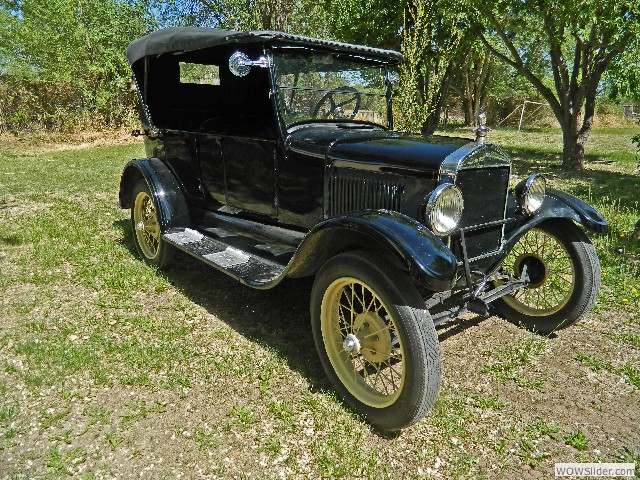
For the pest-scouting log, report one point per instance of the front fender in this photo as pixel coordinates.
(423, 254)
(568, 206)
(558, 205)
(167, 193)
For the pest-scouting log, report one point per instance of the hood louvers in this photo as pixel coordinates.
(352, 192)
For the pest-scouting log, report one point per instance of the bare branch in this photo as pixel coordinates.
(517, 59)
(215, 7)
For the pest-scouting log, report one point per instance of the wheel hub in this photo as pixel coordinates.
(351, 343)
(373, 334)
(536, 269)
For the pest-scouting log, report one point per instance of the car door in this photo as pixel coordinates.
(249, 166)
(212, 166)
(239, 171)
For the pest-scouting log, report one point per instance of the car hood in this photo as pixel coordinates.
(375, 149)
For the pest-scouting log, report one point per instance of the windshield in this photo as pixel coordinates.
(328, 87)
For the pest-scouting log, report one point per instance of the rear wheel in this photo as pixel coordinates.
(564, 275)
(375, 340)
(146, 228)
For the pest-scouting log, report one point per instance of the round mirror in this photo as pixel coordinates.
(239, 64)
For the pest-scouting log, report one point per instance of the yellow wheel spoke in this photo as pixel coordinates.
(361, 341)
(550, 270)
(146, 226)
(376, 332)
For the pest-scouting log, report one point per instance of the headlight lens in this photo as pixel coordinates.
(444, 209)
(530, 193)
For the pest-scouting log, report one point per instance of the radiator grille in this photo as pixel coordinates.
(485, 193)
(352, 192)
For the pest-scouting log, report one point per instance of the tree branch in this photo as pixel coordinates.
(558, 63)
(216, 8)
(529, 75)
(578, 60)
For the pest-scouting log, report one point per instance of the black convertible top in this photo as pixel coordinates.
(183, 39)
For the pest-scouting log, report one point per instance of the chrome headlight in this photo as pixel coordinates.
(444, 209)
(530, 193)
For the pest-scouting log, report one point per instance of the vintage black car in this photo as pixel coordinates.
(271, 155)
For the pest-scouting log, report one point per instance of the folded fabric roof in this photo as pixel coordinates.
(184, 39)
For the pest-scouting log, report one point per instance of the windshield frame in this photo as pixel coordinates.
(358, 59)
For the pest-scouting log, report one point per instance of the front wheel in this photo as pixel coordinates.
(375, 339)
(564, 276)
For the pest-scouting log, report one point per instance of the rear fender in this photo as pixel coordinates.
(167, 193)
(425, 257)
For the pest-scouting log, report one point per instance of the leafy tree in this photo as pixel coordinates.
(570, 43)
(622, 79)
(376, 22)
(432, 37)
(63, 58)
(473, 79)
(238, 14)
(434, 46)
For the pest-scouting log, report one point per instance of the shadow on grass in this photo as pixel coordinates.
(278, 318)
(5, 205)
(457, 326)
(593, 185)
(10, 240)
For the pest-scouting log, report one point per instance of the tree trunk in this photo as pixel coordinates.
(468, 112)
(574, 140)
(572, 149)
(433, 120)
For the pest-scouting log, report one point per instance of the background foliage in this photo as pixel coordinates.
(62, 64)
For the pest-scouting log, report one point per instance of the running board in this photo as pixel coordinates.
(246, 266)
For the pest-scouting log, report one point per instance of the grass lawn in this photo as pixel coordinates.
(109, 368)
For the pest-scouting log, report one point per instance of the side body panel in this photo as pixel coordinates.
(300, 187)
(179, 150)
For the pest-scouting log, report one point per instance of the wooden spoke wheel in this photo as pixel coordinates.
(146, 228)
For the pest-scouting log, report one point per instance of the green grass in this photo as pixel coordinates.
(577, 440)
(511, 362)
(105, 361)
(628, 371)
(610, 182)
(630, 338)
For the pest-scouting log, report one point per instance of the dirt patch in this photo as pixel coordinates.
(256, 402)
(572, 396)
(50, 142)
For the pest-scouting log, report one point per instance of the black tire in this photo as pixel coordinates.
(565, 275)
(393, 341)
(146, 229)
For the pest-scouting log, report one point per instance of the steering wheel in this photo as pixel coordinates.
(335, 109)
